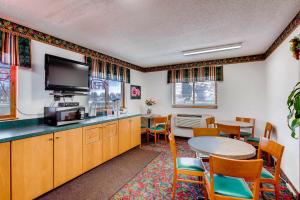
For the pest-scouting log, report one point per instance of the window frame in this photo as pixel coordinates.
(208, 106)
(13, 95)
(122, 94)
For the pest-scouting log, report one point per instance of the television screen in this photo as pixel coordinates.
(65, 75)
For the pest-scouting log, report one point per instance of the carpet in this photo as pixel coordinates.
(155, 180)
(105, 180)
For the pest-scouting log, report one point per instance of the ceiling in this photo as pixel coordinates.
(155, 32)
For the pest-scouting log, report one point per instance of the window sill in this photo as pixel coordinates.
(195, 106)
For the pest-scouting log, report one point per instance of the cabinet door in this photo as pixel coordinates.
(67, 155)
(124, 135)
(110, 140)
(32, 167)
(92, 147)
(5, 170)
(135, 131)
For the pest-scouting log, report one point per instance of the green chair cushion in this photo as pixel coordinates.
(266, 174)
(223, 134)
(158, 128)
(231, 187)
(253, 139)
(192, 164)
(245, 134)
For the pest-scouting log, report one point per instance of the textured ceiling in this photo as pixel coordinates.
(154, 32)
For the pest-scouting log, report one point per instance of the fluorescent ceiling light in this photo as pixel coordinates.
(212, 49)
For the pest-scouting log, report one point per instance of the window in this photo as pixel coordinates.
(7, 91)
(102, 92)
(198, 94)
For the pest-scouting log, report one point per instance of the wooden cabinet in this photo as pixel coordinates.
(5, 171)
(135, 131)
(31, 167)
(110, 140)
(92, 147)
(67, 155)
(124, 135)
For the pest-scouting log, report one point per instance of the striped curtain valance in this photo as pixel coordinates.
(15, 50)
(105, 70)
(197, 74)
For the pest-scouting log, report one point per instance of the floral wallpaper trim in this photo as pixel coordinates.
(17, 29)
(224, 61)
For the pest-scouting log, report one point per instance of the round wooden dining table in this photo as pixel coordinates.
(222, 146)
(236, 123)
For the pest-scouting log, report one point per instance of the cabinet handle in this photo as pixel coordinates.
(50, 139)
(57, 137)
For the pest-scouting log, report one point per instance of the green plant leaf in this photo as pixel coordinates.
(295, 124)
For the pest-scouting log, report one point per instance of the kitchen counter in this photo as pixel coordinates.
(26, 130)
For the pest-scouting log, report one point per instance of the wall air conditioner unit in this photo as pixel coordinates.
(189, 121)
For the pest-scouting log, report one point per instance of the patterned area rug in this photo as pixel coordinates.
(155, 180)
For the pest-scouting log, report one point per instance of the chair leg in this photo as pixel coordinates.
(262, 192)
(166, 138)
(147, 137)
(277, 191)
(174, 185)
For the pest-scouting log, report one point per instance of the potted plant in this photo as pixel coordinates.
(295, 46)
(293, 103)
(149, 103)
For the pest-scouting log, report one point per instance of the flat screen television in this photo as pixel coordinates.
(65, 75)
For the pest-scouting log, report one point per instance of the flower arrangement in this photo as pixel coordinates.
(293, 104)
(295, 46)
(150, 102)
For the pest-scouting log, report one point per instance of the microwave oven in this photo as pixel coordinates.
(58, 116)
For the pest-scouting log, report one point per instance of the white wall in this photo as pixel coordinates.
(242, 93)
(135, 105)
(282, 73)
(32, 96)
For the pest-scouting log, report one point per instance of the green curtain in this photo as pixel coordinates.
(197, 74)
(15, 50)
(109, 71)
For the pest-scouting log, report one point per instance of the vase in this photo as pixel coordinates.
(149, 110)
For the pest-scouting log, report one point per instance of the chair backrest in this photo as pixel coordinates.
(247, 169)
(274, 149)
(268, 130)
(206, 132)
(210, 122)
(247, 120)
(230, 130)
(161, 121)
(173, 148)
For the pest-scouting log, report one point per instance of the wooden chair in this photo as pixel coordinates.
(245, 133)
(210, 122)
(233, 131)
(186, 166)
(267, 134)
(205, 132)
(160, 127)
(169, 124)
(226, 178)
(276, 150)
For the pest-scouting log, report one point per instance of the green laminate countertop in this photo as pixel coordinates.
(32, 130)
